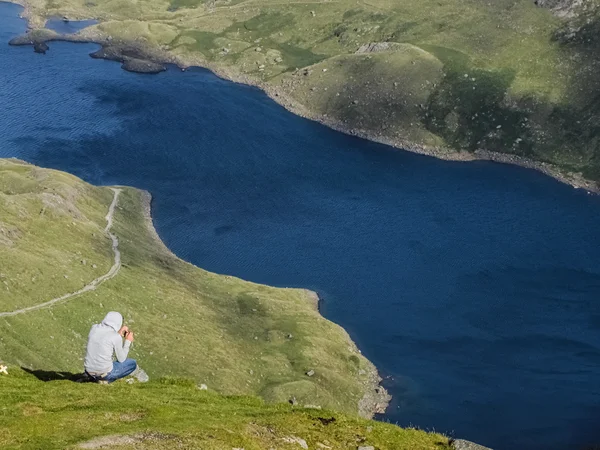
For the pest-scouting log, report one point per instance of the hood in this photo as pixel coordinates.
(114, 320)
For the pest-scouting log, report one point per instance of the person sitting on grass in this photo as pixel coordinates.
(104, 339)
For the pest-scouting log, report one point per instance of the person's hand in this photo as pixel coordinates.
(129, 336)
(124, 330)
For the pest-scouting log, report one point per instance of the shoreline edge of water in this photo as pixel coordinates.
(376, 398)
(136, 57)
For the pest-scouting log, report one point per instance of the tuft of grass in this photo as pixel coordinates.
(174, 413)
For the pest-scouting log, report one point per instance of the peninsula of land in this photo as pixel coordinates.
(70, 252)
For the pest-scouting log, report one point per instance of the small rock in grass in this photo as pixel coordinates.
(203, 387)
(368, 447)
(141, 376)
(313, 406)
(297, 440)
(310, 373)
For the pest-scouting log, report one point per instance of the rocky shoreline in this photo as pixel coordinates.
(141, 58)
(376, 399)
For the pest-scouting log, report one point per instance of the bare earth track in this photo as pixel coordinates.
(113, 271)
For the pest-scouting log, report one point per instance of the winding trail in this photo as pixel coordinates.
(113, 271)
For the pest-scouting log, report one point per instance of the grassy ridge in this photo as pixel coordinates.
(235, 336)
(515, 78)
(173, 413)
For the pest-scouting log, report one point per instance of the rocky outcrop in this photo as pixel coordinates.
(562, 8)
(133, 58)
(40, 47)
(376, 47)
(461, 444)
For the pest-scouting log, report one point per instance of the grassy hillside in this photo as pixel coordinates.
(236, 337)
(504, 75)
(173, 413)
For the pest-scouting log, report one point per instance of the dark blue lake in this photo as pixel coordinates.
(474, 286)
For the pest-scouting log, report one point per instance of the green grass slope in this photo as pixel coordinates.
(236, 337)
(514, 78)
(174, 413)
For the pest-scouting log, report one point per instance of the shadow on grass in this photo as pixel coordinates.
(50, 375)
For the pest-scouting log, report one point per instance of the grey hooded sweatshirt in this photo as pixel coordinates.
(103, 340)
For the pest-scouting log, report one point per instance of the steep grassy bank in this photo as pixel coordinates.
(450, 78)
(174, 413)
(237, 337)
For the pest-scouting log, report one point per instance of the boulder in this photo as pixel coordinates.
(40, 47)
(461, 444)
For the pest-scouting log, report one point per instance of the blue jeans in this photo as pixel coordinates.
(121, 370)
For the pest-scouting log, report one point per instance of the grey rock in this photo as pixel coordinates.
(375, 47)
(461, 444)
(40, 47)
(310, 373)
(293, 439)
(562, 8)
(141, 376)
(368, 447)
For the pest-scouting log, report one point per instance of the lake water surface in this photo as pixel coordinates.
(475, 287)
